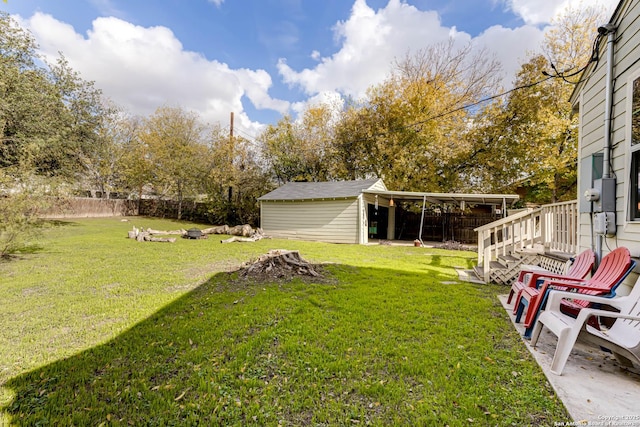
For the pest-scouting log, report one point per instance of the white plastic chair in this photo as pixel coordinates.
(622, 338)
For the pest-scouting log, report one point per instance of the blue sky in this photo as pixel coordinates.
(265, 58)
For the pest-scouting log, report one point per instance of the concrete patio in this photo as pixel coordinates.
(593, 387)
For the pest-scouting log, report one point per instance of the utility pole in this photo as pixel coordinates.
(230, 191)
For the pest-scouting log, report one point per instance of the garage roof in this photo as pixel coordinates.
(320, 190)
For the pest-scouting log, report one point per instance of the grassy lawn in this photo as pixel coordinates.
(98, 329)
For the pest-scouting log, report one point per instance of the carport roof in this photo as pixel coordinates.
(438, 198)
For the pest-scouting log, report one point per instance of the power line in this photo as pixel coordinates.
(464, 107)
(246, 134)
(548, 76)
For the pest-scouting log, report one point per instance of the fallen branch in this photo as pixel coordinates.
(146, 236)
(241, 230)
(240, 233)
(240, 239)
(160, 232)
(159, 239)
(256, 235)
(222, 229)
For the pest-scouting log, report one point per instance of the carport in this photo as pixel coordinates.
(446, 203)
(356, 211)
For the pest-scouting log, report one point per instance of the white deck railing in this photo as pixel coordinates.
(549, 228)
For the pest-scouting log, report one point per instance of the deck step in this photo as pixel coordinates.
(479, 272)
(509, 258)
(469, 276)
(497, 265)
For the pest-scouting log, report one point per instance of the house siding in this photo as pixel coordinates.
(378, 186)
(591, 128)
(333, 221)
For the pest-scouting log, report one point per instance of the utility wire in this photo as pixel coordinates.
(464, 107)
(251, 138)
(548, 76)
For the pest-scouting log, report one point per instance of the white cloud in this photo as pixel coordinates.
(144, 68)
(534, 12)
(330, 98)
(370, 41)
(511, 46)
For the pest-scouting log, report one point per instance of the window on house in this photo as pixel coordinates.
(634, 211)
(635, 189)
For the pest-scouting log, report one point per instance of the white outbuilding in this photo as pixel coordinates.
(349, 211)
(319, 211)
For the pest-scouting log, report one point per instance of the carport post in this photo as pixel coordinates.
(424, 203)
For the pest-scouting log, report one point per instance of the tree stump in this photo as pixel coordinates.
(279, 263)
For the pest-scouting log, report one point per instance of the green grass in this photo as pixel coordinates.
(98, 329)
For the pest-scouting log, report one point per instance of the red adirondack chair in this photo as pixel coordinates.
(579, 269)
(613, 269)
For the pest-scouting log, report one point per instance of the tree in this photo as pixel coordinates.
(350, 152)
(81, 121)
(134, 167)
(300, 150)
(28, 100)
(103, 161)
(21, 207)
(530, 140)
(175, 151)
(48, 115)
(235, 179)
(408, 130)
(29, 108)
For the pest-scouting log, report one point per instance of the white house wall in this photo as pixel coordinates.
(378, 186)
(333, 221)
(591, 127)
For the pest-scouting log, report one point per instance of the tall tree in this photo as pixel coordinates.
(30, 106)
(81, 119)
(408, 129)
(176, 152)
(29, 102)
(135, 169)
(48, 115)
(103, 160)
(235, 179)
(300, 150)
(530, 140)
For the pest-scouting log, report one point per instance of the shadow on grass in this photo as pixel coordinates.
(35, 248)
(377, 346)
(59, 223)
